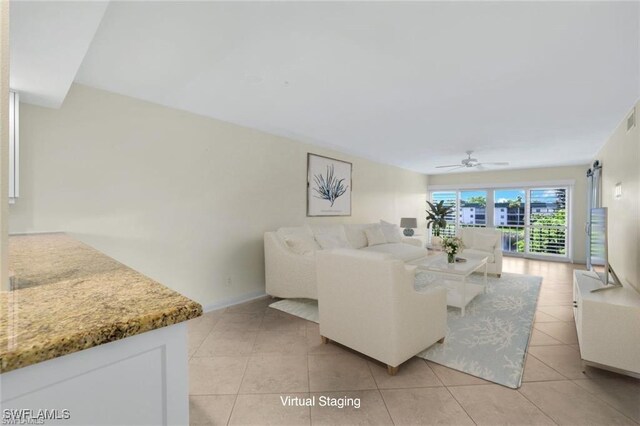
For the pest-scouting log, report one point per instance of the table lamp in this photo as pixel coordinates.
(408, 223)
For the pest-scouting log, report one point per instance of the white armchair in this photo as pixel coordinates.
(288, 274)
(485, 242)
(367, 302)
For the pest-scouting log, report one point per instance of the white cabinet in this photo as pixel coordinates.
(607, 323)
(138, 380)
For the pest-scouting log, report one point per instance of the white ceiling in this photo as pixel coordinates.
(411, 84)
(48, 42)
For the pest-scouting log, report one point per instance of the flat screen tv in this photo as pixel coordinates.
(599, 241)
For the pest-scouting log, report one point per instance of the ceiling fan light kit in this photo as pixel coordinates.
(471, 163)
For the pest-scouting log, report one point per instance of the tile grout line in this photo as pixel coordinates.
(535, 405)
(546, 334)
(205, 338)
(461, 406)
(386, 406)
(546, 365)
(244, 372)
(238, 392)
(591, 394)
(556, 318)
(434, 372)
(602, 400)
(380, 392)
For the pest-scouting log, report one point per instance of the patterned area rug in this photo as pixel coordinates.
(489, 342)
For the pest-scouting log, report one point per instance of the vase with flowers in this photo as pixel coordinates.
(452, 246)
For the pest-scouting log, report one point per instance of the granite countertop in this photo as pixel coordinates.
(68, 297)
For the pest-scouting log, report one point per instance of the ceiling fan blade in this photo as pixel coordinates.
(501, 163)
(452, 165)
(457, 167)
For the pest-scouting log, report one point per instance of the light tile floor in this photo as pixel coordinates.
(244, 358)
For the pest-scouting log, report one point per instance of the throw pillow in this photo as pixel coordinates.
(375, 236)
(356, 236)
(333, 236)
(391, 232)
(331, 241)
(484, 242)
(301, 244)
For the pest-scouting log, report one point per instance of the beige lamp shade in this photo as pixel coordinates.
(408, 222)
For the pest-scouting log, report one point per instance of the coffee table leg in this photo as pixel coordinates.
(464, 294)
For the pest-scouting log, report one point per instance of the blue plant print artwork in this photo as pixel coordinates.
(328, 186)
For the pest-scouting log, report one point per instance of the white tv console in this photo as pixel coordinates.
(608, 324)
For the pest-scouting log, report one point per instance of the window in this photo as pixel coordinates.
(533, 221)
(473, 205)
(448, 198)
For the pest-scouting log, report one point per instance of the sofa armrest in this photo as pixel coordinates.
(427, 308)
(288, 274)
(413, 241)
(497, 255)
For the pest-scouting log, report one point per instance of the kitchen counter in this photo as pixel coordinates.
(69, 297)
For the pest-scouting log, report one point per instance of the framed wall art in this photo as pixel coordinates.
(328, 186)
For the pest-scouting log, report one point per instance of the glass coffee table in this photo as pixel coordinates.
(454, 276)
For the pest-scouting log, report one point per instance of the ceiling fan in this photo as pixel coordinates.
(471, 163)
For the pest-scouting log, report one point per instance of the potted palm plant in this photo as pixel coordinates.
(436, 219)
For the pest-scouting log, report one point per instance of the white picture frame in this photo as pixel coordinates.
(329, 186)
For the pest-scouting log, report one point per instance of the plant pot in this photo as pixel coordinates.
(451, 257)
(436, 242)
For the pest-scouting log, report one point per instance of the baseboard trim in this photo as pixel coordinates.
(234, 301)
(542, 258)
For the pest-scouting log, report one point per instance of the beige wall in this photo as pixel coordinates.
(4, 143)
(578, 202)
(620, 159)
(182, 198)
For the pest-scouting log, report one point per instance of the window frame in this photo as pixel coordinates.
(567, 185)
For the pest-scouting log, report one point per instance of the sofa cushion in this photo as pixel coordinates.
(404, 252)
(330, 236)
(467, 236)
(391, 232)
(486, 242)
(489, 254)
(375, 236)
(301, 244)
(330, 241)
(356, 236)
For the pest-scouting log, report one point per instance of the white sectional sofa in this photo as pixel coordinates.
(290, 261)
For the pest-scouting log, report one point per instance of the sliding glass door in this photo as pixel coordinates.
(509, 217)
(533, 221)
(548, 221)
